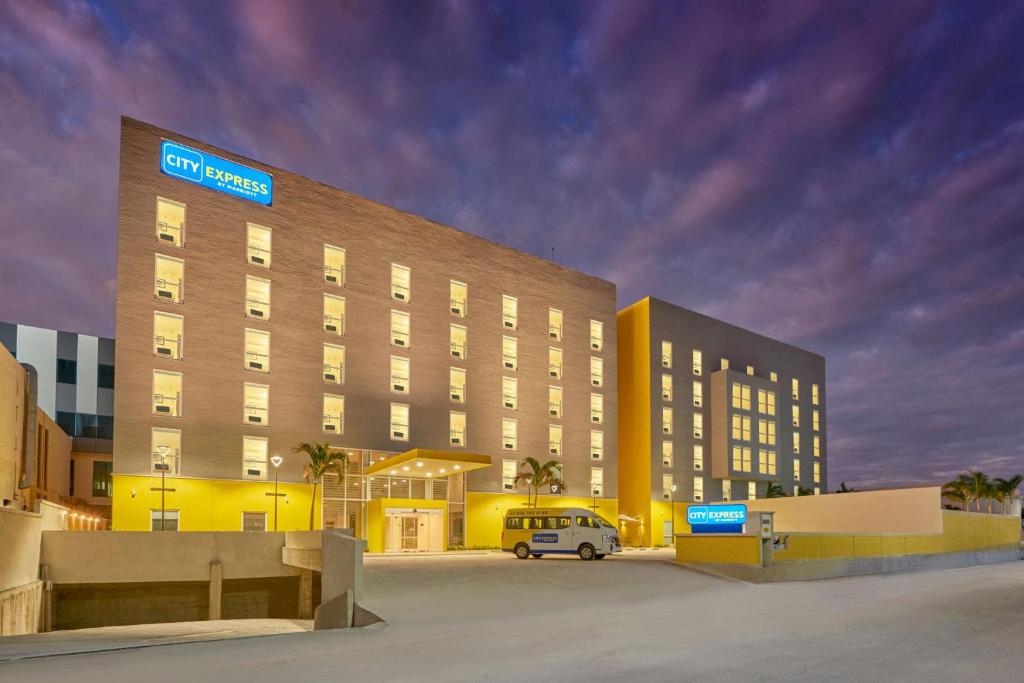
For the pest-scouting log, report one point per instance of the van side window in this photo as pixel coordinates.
(588, 522)
(514, 523)
(564, 522)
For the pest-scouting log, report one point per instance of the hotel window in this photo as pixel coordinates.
(726, 489)
(509, 434)
(334, 314)
(555, 401)
(167, 393)
(554, 362)
(334, 265)
(666, 453)
(258, 245)
(766, 432)
(510, 352)
(509, 312)
(740, 428)
(698, 362)
(773, 376)
(457, 428)
(399, 422)
(750, 370)
(796, 443)
(796, 389)
(596, 335)
(333, 421)
(666, 387)
(666, 487)
(555, 324)
(164, 520)
(400, 329)
(741, 458)
(698, 394)
(257, 298)
(166, 450)
(765, 402)
(334, 364)
(554, 439)
(510, 393)
(698, 426)
(596, 371)
(257, 350)
(256, 404)
(766, 462)
(596, 444)
(509, 470)
(400, 374)
(741, 396)
(170, 222)
(457, 341)
(814, 394)
(751, 490)
(815, 421)
(796, 415)
(457, 384)
(698, 457)
(725, 363)
(401, 282)
(169, 281)
(666, 354)
(102, 479)
(254, 457)
(666, 420)
(698, 489)
(796, 469)
(458, 295)
(816, 446)
(254, 521)
(596, 481)
(817, 472)
(168, 334)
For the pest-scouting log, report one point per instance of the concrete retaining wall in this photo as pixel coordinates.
(20, 609)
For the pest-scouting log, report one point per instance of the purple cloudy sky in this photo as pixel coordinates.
(848, 177)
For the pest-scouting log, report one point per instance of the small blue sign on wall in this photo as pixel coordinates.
(211, 171)
(716, 519)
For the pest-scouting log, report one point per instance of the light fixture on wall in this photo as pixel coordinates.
(276, 461)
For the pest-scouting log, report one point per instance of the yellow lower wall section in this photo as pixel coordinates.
(485, 513)
(719, 549)
(211, 504)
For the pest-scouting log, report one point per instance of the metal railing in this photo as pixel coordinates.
(257, 361)
(510, 401)
(596, 343)
(334, 373)
(399, 291)
(400, 383)
(256, 414)
(334, 274)
(333, 423)
(335, 323)
(168, 232)
(168, 346)
(510, 360)
(170, 290)
(399, 338)
(457, 437)
(166, 404)
(170, 460)
(555, 331)
(555, 370)
(258, 254)
(399, 430)
(257, 308)
(457, 392)
(555, 408)
(509, 321)
(457, 307)
(457, 350)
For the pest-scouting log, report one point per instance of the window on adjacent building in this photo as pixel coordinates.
(334, 265)
(257, 298)
(796, 389)
(555, 439)
(698, 457)
(666, 453)
(596, 372)
(596, 481)
(257, 350)
(164, 520)
(698, 362)
(510, 393)
(102, 478)
(258, 245)
(509, 469)
(334, 314)
(698, 426)
(254, 457)
(166, 451)
(796, 415)
(741, 458)
(596, 444)
(667, 487)
(510, 352)
(457, 341)
(817, 472)
(698, 489)
(400, 374)
(726, 489)
(554, 362)
(168, 335)
(458, 296)
(751, 490)
(169, 281)
(254, 521)
(333, 421)
(457, 384)
(334, 364)
(596, 335)
(509, 434)
(170, 222)
(815, 421)
(796, 469)
(725, 363)
(741, 396)
(401, 282)
(666, 420)
(766, 432)
(256, 404)
(401, 329)
(555, 401)
(740, 428)
(167, 393)
(816, 445)
(666, 354)
(509, 312)
(67, 371)
(750, 369)
(399, 422)
(773, 376)
(796, 442)
(555, 324)
(666, 387)
(765, 402)
(698, 394)
(456, 428)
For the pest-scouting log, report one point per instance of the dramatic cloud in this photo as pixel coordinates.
(848, 177)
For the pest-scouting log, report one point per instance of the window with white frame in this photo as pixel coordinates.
(168, 335)
(666, 420)
(596, 408)
(796, 442)
(596, 335)
(766, 402)
(698, 394)
(596, 372)
(334, 414)
(334, 314)
(457, 340)
(166, 451)
(796, 415)
(254, 457)
(667, 453)
(256, 408)
(817, 472)
(509, 434)
(740, 427)
(456, 428)
(667, 487)
(458, 296)
(698, 489)
(334, 364)
(554, 362)
(334, 265)
(698, 457)
(766, 432)
(666, 354)
(170, 222)
(750, 370)
(751, 490)
(596, 481)
(257, 298)
(796, 389)
(257, 245)
(169, 279)
(698, 425)
(400, 374)
(457, 384)
(814, 394)
(256, 354)
(401, 329)
(815, 420)
(816, 446)
(399, 422)
(726, 489)
(596, 444)
(725, 364)
(740, 396)
(666, 387)
(510, 393)
(509, 312)
(167, 393)
(555, 440)
(509, 470)
(401, 282)
(796, 469)
(555, 324)
(555, 401)
(698, 363)
(741, 459)
(510, 353)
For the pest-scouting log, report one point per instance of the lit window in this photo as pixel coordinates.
(509, 434)
(796, 469)
(741, 396)
(666, 453)
(698, 426)
(814, 394)
(167, 393)
(796, 389)
(509, 469)
(257, 298)
(698, 489)
(399, 422)
(596, 371)
(555, 324)
(666, 354)
(334, 364)
(596, 335)
(510, 352)
(726, 489)
(816, 445)
(333, 414)
(666, 387)
(164, 520)
(741, 458)
(596, 481)
(766, 402)
(254, 457)
(750, 369)
(166, 451)
(554, 362)
(698, 457)
(666, 420)
(258, 245)
(170, 222)
(168, 334)
(400, 374)
(666, 487)
(334, 265)
(554, 439)
(457, 384)
(458, 295)
(766, 432)
(751, 490)
(773, 376)
(401, 282)
(509, 312)
(815, 420)
(256, 408)
(334, 314)
(457, 337)
(254, 521)
(766, 462)
(169, 284)
(510, 393)
(401, 329)
(796, 415)
(698, 362)
(796, 442)
(817, 472)
(725, 363)
(257, 350)
(698, 394)
(457, 428)
(596, 444)
(555, 401)
(740, 428)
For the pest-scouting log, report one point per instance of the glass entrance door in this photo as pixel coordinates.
(410, 532)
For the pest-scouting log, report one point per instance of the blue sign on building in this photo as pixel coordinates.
(219, 174)
(716, 519)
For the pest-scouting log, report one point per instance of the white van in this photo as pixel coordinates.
(534, 532)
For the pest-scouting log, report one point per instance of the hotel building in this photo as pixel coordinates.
(276, 310)
(709, 412)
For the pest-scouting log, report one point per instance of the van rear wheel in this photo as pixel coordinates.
(587, 552)
(522, 551)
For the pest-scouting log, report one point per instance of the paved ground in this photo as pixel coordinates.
(635, 618)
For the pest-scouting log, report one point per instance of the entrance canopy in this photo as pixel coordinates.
(422, 462)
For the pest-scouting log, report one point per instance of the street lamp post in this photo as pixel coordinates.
(673, 504)
(161, 451)
(276, 462)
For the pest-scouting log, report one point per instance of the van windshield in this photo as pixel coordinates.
(604, 522)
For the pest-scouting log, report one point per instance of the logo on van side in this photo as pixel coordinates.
(545, 538)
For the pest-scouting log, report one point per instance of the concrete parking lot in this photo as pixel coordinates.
(633, 617)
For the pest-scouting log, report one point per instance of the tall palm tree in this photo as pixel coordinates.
(775, 491)
(322, 460)
(959, 490)
(539, 475)
(979, 487)
(1004, 490)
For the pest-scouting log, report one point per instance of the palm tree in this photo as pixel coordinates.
(1003, 490)
(539, 475)
(322, 460)
(959, 490)
(979, 487)
(775, 491)
(843, 488)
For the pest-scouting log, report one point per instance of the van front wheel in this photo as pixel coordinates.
(587, 552)
(522, 551)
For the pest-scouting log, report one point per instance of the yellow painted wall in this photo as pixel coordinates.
(661, 512)
(211, 504)
(633, 329)
(376, 528)
(485, 513)
(719, 549)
